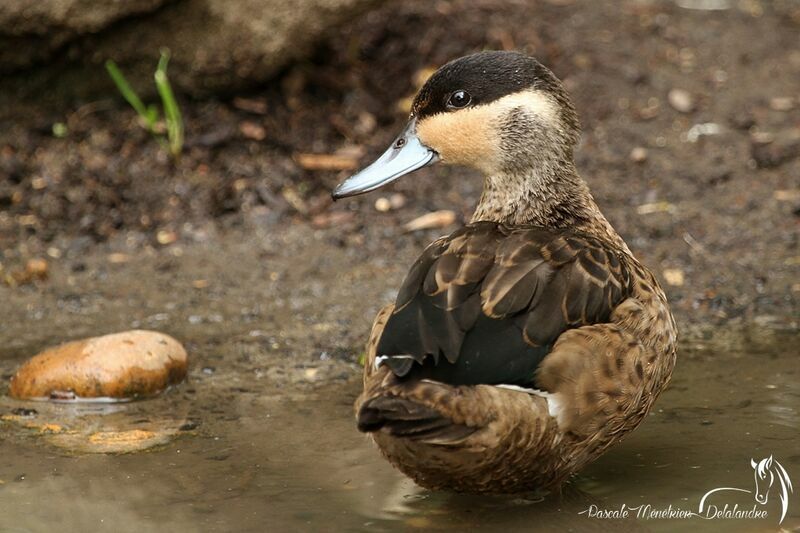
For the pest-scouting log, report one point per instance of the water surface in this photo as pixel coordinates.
(258, 451)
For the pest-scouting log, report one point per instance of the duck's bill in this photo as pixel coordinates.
(405, 155)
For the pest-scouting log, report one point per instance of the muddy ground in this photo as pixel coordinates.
(237, 251)
(691, 145)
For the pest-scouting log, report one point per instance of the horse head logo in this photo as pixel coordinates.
(764, 478)
(765, 471)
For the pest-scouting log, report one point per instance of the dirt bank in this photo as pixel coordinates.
(690, 119)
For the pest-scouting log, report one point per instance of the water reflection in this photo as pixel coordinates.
(259, 455)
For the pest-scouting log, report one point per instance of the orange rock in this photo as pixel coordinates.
(120, 366)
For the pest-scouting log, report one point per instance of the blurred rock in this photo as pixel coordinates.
(216, 45)
(681, 100)
(674, 277)
(705, 129)
(648, 111)
(36, 269)
(118, 258)
(395, 201)
(787, 195)
(781, 103)
(165, 237)
(366, 123)
(119, 366)
(252, 130)
(251, 105)
(780, 149)
(382, 204)
(638, 155)
(31, 32)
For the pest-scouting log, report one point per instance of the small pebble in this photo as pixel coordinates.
(117, 258)
(165, 237)
(397, 201)
(705, 129)
(638, 155)
(36, 269)
(251, 105)
(787, 195)
(252, 130)
(782, 103)
(649, 111)
(681, 100)
(366, 123)
(394, 202)
(674, 277)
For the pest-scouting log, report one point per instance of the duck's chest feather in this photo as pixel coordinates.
(487, 303)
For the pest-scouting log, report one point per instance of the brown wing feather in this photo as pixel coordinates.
(507, 292)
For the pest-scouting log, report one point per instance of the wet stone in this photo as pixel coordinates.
(119, 366)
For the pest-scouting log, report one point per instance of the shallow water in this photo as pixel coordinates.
(251, 454)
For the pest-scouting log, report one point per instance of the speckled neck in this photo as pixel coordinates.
(552, 195)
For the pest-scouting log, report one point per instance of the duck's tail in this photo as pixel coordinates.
(411, 419)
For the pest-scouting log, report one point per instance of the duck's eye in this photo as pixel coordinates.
(459, 99)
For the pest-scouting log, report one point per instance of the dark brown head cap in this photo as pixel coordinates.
(489, 76)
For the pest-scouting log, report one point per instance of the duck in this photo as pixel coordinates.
(526, 343)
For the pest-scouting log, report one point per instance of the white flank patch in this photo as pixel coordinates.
(553, 403)
(517, 388)
(381, 358)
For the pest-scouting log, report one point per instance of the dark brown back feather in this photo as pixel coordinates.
(486, 303)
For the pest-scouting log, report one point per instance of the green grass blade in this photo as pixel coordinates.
(172, 112)
(129, 94)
